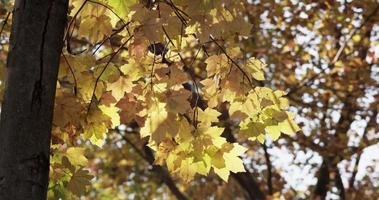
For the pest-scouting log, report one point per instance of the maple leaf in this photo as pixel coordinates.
(76, 156)
(177, 100)
(77, 63)
(109, 73)
(210, 90)
(120, 87)
(133, 70)
(95, 33)
(86, 83)
(95, 127)
(79, 181)
(232, 161)
(208, 116)
(187, 169)
(112, 112)
(65, 105)
(253, 129)
(217, 64)
(255, 67)
(122, 8)
(159, 123)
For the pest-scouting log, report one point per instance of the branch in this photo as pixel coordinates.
(67, 35)
(148, 156)
(5, 23)
(138, 151)
(269, 169)
(356, 164)
(244, 179)
(105, 67)
(234, 62)
(339, 185)
(73, 75)
(323, 180)
(164, 175)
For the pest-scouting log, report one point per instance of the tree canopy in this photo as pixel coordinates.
(191, 99)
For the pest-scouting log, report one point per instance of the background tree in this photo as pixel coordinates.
(157, 68)
(325, 54)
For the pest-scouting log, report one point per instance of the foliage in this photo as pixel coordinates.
(149, 86)
(170, 67)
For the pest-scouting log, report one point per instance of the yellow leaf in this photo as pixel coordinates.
(112, 112)
(217, 64)
(288, 126)
(95, 27)
(76, 156)
(177, 100)
(119, 87)
(187, 169)
(255, 68)
(157, 124)
(132, 70)
(232, 161)
(208, 116)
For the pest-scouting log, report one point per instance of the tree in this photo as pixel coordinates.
(324, 54)
(27, 109)
(172, 99)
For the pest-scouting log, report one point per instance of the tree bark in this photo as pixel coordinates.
(323, 180)
(27, 110)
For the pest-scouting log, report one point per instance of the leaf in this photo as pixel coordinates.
(252, 129)
(187, 169)
(120, 87)
(95, 126)
(232, 162)
(210, 90)
(76, 156)
(287, 126)
(112, 112)
(110, 74)
(65, 105)
(133, 70)
(77, 63)
(86, 84)
(79, 181)
(255, 67)
(208, 116)
(157, 114)
(122, 7)
(217, 64)
(95, 33)
(177, 100)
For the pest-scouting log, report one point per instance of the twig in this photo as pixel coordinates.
(105, 67)
(68, 35)
(109, 37)
(73, 75)
(234, 62)
(5, 23)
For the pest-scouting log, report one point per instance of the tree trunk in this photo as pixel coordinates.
(27, 110)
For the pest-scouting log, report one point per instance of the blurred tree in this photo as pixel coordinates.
(187, 75)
